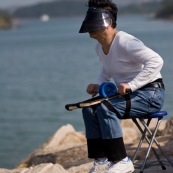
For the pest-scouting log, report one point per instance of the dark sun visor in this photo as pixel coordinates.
(96, 19)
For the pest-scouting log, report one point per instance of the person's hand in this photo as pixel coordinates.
(123, 89)
(92, 89)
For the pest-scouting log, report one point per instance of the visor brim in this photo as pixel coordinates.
(91, 26)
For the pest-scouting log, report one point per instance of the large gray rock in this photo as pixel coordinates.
(66, 151)
(169, 127)
(42, 168)
(66, 147)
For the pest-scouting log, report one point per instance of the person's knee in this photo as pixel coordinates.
(101, 108)
(87, 112)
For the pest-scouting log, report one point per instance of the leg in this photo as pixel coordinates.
(92, 126)
(93, 133)
(104, 133)
(104, 138)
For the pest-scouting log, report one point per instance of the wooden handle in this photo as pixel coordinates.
(71, 107)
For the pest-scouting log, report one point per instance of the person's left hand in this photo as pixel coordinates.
(123, 89)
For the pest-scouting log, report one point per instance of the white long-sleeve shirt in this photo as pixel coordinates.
(129, 61)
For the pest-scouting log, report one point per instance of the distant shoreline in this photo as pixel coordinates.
(56, 9)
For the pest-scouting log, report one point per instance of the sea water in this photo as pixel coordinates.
(45, 65)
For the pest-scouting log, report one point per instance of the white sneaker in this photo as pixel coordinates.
(120, 167)
(98, 165)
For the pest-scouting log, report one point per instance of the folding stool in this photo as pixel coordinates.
(145, 122)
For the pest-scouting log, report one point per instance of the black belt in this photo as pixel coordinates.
(155, 84)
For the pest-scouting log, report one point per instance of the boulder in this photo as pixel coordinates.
(66, 150)
(42, 168)
(168, 127)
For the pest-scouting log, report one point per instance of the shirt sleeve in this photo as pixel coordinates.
(151, 61)
(102, 77)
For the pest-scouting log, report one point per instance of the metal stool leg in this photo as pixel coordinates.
(150, 145)
(141, 140)
(155, 140)
(143, 132)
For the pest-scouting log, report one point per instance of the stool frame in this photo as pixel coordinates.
(145, 124)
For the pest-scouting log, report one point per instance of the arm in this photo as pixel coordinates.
(94, 88)
(103, 77)
(151, 61)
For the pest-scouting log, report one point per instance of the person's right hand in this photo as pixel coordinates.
(92, 89)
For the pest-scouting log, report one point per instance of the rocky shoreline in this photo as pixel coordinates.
(66, 150)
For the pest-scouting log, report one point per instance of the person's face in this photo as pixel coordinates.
(97, 34)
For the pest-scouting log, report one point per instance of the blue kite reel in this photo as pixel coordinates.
(107, 89)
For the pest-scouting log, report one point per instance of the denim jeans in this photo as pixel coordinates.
(101, 123)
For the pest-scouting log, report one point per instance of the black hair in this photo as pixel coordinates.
(105, 4)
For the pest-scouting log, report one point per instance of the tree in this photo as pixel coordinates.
(5, 20)
(167, 10)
